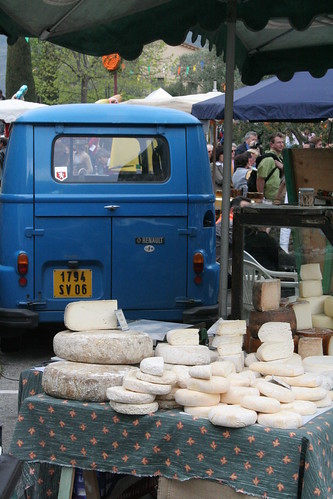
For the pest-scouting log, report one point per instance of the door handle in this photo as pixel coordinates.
(111, 207)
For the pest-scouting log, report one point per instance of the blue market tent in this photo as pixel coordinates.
(303, 98)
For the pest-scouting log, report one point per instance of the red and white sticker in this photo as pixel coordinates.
(61, 173)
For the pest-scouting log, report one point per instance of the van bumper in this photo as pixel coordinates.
(20, 318)
(207, 314)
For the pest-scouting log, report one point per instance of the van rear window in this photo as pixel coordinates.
(104, 159)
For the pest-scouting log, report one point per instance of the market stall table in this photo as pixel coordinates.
(53, 433)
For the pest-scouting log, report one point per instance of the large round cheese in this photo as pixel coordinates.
(302, 407)
(216, 384)
(77, 381)
(261, 404)
(134, 409)
(318, 364)
(103, 347)
(282, 314)
(277, 392)
(120, 394)
(187, 397)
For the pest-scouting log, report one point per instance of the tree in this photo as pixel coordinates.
(45, 70)
(19, 69)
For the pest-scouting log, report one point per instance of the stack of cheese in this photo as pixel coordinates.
(96, 355)
(276, 341)
(229, 342)
(266, 298)
(137, 395)
(182, 348)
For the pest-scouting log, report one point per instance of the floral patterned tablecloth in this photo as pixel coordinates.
(258, 461)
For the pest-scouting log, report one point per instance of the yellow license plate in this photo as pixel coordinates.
(72, 283)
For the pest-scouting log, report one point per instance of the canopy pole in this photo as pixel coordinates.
(227, 146)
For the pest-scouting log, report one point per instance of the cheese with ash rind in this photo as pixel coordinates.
(302, 407)
(222, 368)
(235, 394)
(303, 314)
(237, 359)
(153, 366)
(308, 379)
(201, 372)
(261, 404)
(93, 314)
(103, 347)
(216, 384)
(131, 382)
(184, 336)
(305, 393)
(231, 327)
(286, 420)
(328, 306)
(266, 294)
(316, 304)
(232, 416)
(168, 378)
(274, 351)
(134, 409)
(275, 391)
(186, 397)
(310, 288)
(310, 272)
(275, 332)
(308, 347)
(277, 368)
(78, 381)
(120, 394)
(188, 355)
(322, 321)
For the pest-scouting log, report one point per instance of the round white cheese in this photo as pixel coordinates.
(167, 378)
(223, 368)
(120, 394)
(277, 392)
(261, 404)
(302, 407)
(199, 412)
(134, 409)
(318, 364)
(235, 394)
(152, 365)
(192, 398)
(103, 347)
(78, 381)
(232, 416)
(305, 393)
(201, 372)
(216, 384)
(286, 420)
(131, 382)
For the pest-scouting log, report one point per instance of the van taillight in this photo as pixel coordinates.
(198, 266)
(22, 264)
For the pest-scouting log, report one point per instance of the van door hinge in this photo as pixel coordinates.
(30, 232)
(191, 231)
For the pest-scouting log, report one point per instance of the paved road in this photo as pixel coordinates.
(35, 348)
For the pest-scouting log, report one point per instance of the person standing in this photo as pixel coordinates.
(250, 139)
(270, 168)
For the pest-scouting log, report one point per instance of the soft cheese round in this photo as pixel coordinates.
(232, 416)
(134, 409)
(167, 378)
(286, 420)
(103, 347)
(120, 394)
(78, 381)
(131, 382)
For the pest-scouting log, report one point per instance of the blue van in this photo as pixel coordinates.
(107, 202)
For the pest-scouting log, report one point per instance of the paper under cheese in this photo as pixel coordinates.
(303, 314)
(192, 398)
(232, 416)
(286, 420)
(183, 336)
(184, 355)
(322, 320)
(275, 350)
(152, 365)
(275, 332)
(310, 272)
(266, 294)
(231, 327)
(103, 347)
(328, 306)
(94, 314)
(310, 288)
(216, 384)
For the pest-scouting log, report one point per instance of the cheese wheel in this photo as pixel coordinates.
(199, 412)
(193, 398)
(328, 306)
(237, 359)
(266, 294)
(183, 336)
(231, 327)
(303, 314)
(235, 394)
(275, 332)
(222, 368)
(184, 355)
(324, 402)
(312, 287)
(232, 416)
(318, 364)
(244, 378)
(286, 420)
(153, 366)
(275, 391)
(316, 304)
(201, 372)
(134, 409)
(276, 350)
(261, 404)
(322, 320)
(310, 272)
(305, 393)
(309, 380)
(302, 407)
(182, 375)
(308, 347)
(168, 378)
(78, 381)
(103, 347)
(131, 382)
(283, 314)
(92, 314)
(277, 368)
(216, 384)
(120, 394)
